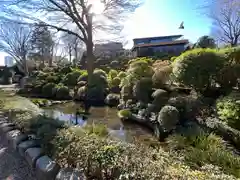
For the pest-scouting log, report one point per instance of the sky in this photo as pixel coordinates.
(163, 17)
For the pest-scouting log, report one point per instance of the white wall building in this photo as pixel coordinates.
(8, 61)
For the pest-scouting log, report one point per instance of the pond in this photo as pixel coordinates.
(100, 115)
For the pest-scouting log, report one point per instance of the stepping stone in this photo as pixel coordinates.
(46, 169)
(23, 146)
(11, 134)
(5, 127)
(32, 154)
(69, 173)
(16, 140)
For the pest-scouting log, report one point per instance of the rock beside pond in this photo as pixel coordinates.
(112, 99)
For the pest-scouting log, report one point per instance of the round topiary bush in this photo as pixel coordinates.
(114, 85)
(95, 94)
(162, 76)
(112, 74)
(83, 77)
(121, 75)
(48, 90)
(63, 93)
(160, 98)
(187, 106)
(71, 79)
(228, 109)
(112, 100)
(100, 72)
(52, 79)
(168, 118)
(198, 68)
(142, 90)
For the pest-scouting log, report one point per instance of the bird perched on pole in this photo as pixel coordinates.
(181, 26)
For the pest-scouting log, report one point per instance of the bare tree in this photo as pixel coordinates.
(73, 45)
(68, 15)
(226, 20)
(14, 40)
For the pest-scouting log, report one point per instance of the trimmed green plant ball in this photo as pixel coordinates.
(63, 93)
(168, 117)
(48, 90)
(198, 68)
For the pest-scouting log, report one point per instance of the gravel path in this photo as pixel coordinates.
(12, 165)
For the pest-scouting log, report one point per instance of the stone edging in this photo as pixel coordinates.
(44, 167)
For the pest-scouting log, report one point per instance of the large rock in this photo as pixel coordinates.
(68, 173)
(22, 147)
(46, 169)
(12, 134)
(32, 154)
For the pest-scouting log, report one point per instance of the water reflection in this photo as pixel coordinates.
(99, 115)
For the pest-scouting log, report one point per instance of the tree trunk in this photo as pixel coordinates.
(25, 66)
(90, 60)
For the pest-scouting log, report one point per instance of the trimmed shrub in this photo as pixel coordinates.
(188, 106)
(65, 70)
(49, 90)
(168, 118)
(100, 72)
(42, 75)
(228, 109)
(160, 98)
(121, 75)
(96, 94)
(71, 79)
(112, 74)
(124, 113)
(142, 90)
(63, 93)
(126, 93)
(83, 76)
(162, 76)
(198, 68)
(52, 79)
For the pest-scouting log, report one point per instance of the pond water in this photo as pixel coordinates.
(100, 115)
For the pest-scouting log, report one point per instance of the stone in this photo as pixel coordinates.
(11, 134)
(46, 169)
(16, 140)
(32, 154)
(4, 127)
(69, 173)
(23, 146)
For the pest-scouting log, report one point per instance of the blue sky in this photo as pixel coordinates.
(163, 17)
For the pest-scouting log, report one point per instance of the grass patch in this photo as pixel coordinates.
(206, 149)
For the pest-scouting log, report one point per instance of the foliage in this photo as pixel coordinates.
(96, 129)
(162, 76)
(49, 90)
(187, 106)
(112, 74)
(115, 82)
(83, 76)
(206, 149)
(138, 68)
(121, 75)
(198, 68)
(100, 72)
(160, 98)
(52, 79)
(168, 117)
(205, 42)
(71, 79)
(228, 109)
(125, 113)
(63, 93)
(142, 90)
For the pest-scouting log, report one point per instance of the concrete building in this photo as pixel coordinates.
(150, 46)
(8, 61)
(108, 50)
